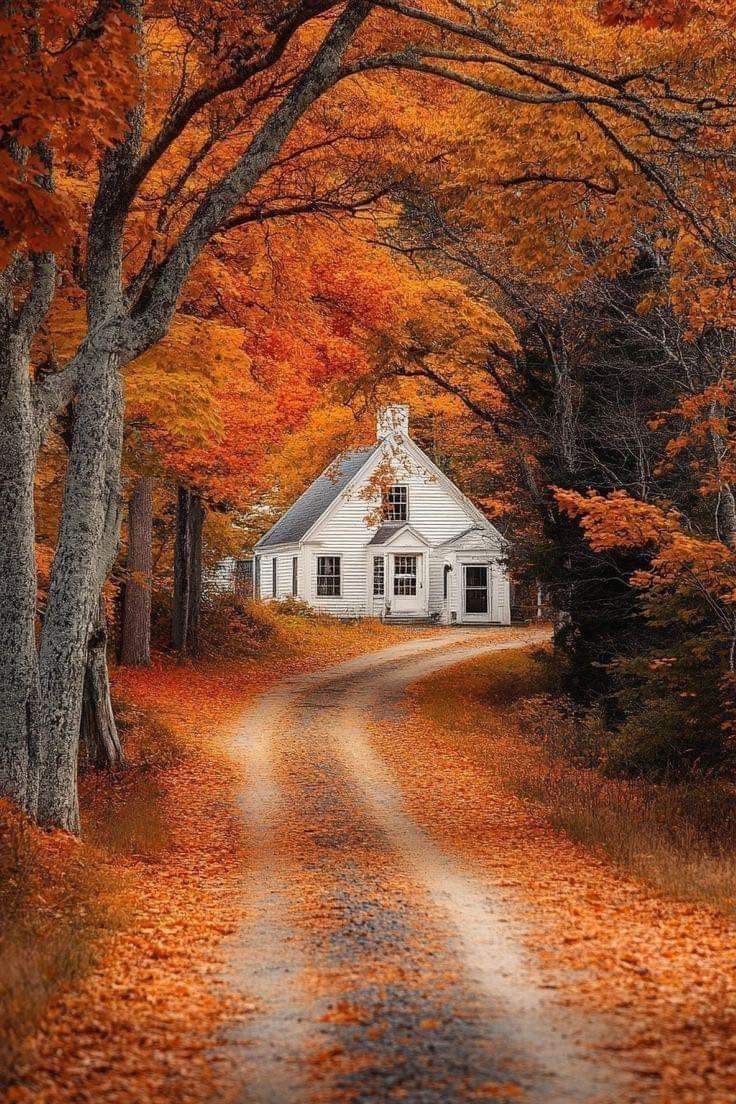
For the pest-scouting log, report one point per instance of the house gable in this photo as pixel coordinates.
(387, 535)
(292, 526)
(449, 513)
(473, 540)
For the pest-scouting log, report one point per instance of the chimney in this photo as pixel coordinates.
(392, 419)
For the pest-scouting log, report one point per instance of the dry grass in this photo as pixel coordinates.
(680, 838)
(125, 813)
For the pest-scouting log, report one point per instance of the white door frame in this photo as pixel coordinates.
(408, 604)
(476, 617)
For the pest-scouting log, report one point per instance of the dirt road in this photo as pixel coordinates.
(380, 968)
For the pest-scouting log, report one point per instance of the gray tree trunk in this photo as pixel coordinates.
(194, 617)
(18, 662)
(99, 733)
(88, 536)
(90, 515)
(135, 647)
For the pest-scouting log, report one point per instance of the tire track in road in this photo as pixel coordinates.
(380, 969)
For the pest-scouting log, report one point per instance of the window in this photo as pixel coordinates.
(274, 570)
(396, 504)
(405, 575)
(295, 575)
(328, 576)
(378, 577)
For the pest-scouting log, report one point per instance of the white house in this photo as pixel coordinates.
(384, 533)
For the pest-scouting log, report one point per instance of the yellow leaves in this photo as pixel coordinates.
(174, 386)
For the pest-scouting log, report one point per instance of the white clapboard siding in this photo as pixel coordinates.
(346, 530)
(437, 514)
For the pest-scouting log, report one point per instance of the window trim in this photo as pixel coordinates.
(324, 575)
(385, 504)
(379, 560)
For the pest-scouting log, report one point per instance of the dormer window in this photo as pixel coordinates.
(396, 503)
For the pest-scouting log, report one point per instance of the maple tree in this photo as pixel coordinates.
(247, 118)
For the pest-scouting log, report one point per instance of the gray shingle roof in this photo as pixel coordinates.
(310, 506)
(383, 532)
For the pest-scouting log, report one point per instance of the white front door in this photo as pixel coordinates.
(407, 585)
(476, 592)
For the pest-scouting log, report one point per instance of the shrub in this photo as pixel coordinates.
(295, 607)
(563, 731)
(661, 740)
(236, 626)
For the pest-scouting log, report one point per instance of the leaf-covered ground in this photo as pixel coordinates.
(344, 888)
(662, 969)
(164, 847)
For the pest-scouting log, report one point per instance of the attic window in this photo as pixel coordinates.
(396, 503)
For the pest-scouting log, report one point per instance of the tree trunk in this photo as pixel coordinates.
(726, 503)
(18, 662)
(88, 536)
(196, 525)
(187, 605)
(180, 609)
(99, 732)
(135, 650)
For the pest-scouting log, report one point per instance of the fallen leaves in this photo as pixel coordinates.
(661, 970)
(144, 1024)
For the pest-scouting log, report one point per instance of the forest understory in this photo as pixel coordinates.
(630, 898)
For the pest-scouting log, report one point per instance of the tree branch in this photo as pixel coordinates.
(160, 295)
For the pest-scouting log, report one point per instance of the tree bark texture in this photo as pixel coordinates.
(135, 648)
(90, 515)
(18, 661)
(87, 543)
(99, 732)
(187, 604)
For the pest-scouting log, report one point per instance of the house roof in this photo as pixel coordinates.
(484, 533)
(385, 533)
(310, 506)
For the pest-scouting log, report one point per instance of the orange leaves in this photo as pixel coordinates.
(652, 14)
(617, 520)
(659, 968)
(64, 82)
(681, 561)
